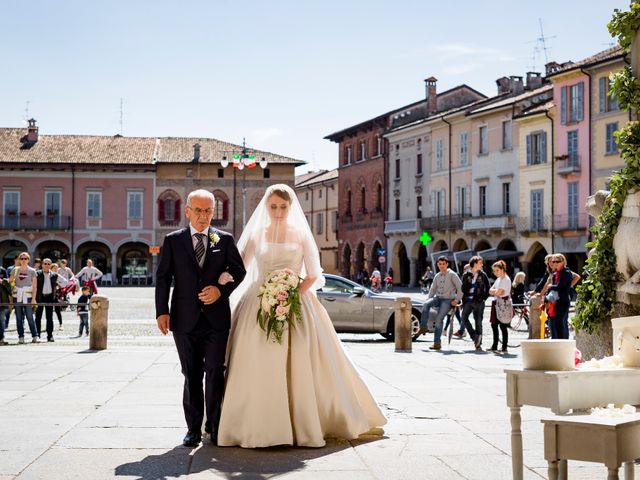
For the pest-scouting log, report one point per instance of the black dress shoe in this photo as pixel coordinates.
(192, 439)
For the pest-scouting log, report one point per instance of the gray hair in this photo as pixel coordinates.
(200, 193)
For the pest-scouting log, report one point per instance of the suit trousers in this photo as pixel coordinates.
(49, 315)
(202, 354)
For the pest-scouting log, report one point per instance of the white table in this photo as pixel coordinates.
(611, 441)
(564, 391)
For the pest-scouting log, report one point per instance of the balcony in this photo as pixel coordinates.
(567, 223)
(396, 227)
(35, 222)
(568, 165)
(540, 225)
(376, 213)
(489, 222)
(442, 223)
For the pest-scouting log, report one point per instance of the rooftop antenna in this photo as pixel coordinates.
(26, 111)
(121, 117)
(540, 45)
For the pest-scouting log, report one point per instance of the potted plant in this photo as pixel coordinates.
(37, 213)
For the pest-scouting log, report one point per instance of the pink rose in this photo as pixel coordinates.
(281, 311)
(282, 296)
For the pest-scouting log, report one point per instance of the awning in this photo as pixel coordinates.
(493, 254)
(463, 256)
(441, 253)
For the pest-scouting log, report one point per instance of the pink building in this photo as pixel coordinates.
(113, 199)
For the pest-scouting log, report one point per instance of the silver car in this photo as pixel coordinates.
(356, 309)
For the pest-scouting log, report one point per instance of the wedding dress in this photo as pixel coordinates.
(298, 392)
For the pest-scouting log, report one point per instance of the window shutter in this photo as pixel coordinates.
(432, 201)
(529, 159)
(458, 199)
(580, 112)
(563, 105)
(602, 82)
(543, 147)
(225, 210)
(176, 211)
(467, 200)
(160, 210)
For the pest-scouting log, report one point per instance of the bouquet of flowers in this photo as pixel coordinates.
(280, 303)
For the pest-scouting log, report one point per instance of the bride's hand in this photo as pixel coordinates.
(224, 278)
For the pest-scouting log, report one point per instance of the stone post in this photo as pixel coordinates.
(402, 322)
(413, 278)
(534, 317)
(99, 308)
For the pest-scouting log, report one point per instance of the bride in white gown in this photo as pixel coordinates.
(305, 389)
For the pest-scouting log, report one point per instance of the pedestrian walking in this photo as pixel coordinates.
(445, 292)
(475, 291)
(502, 306)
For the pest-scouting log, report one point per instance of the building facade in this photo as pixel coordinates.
(112, 199)
(318, 195)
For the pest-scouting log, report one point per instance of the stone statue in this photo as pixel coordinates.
(626, 246)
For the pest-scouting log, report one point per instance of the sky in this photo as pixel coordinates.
(282, 74)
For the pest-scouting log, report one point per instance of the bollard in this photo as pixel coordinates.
(402, 333)
(99, 308)
(534, 317)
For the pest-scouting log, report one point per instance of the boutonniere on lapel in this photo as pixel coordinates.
(213, 240)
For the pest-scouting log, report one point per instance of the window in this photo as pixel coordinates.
(419, 206)
(348, 202)
(483, 147)
(334, 221)
(464, 148)
(94, 205)
(189, 173)
(572, 103)
(221, 211)
(537, 220)
(379, 146)
(611, 146)
(52, 209)
(134, 205)
(506, 202)
(308, 217)
(608, 102)
(363, 150)
(319, 222)
(572, 148)
(483, 200)
(169, 208)
(397, 209)
(463, 203)
(440, 203)
(363, 199)
(266, 173)
(537, 148)
(347, 156)
(221, 173)
(507, 135)
(572, 202)
(379, 198)
(419, 145)
(419, 164)
(320, 193)
(397, 168)
(397, 149)
(11, 204)
(306, 196)
(439, 154)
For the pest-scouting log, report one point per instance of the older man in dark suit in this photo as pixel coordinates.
(193, 258)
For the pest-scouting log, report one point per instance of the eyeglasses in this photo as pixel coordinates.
(555, 261)
(47, 263)
(200, 211)
(24, 258)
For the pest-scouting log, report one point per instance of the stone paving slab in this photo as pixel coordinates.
(69, 413)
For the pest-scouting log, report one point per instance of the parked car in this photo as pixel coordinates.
(357, 309)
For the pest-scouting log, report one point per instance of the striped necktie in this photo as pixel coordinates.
(199, 248)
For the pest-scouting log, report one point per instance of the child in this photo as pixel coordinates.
(83, 310)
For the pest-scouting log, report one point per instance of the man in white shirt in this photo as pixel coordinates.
(89, 274)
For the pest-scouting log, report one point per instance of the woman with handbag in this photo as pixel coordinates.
(559, 295)
(502, 306)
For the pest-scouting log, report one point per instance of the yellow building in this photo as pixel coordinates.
(535, 203)
(606, 118)
(318, 195)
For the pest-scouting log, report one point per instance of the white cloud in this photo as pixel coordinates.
(261, 135)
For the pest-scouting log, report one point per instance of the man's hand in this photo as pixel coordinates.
(163, 323)
(209, 295)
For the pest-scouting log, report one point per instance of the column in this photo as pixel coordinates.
(114, 268)
(413, 280)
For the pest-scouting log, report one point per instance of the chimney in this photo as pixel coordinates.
(32, 131)
(516, 84)
(196, 153)
(432, 99)
(503, 85)
(534, 80)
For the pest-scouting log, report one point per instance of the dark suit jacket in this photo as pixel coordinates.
(563, 287)
(53, 278)
(178, 265)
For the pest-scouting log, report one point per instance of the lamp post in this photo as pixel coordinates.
(240, 161)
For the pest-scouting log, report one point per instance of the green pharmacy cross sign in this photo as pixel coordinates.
(425, 238)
